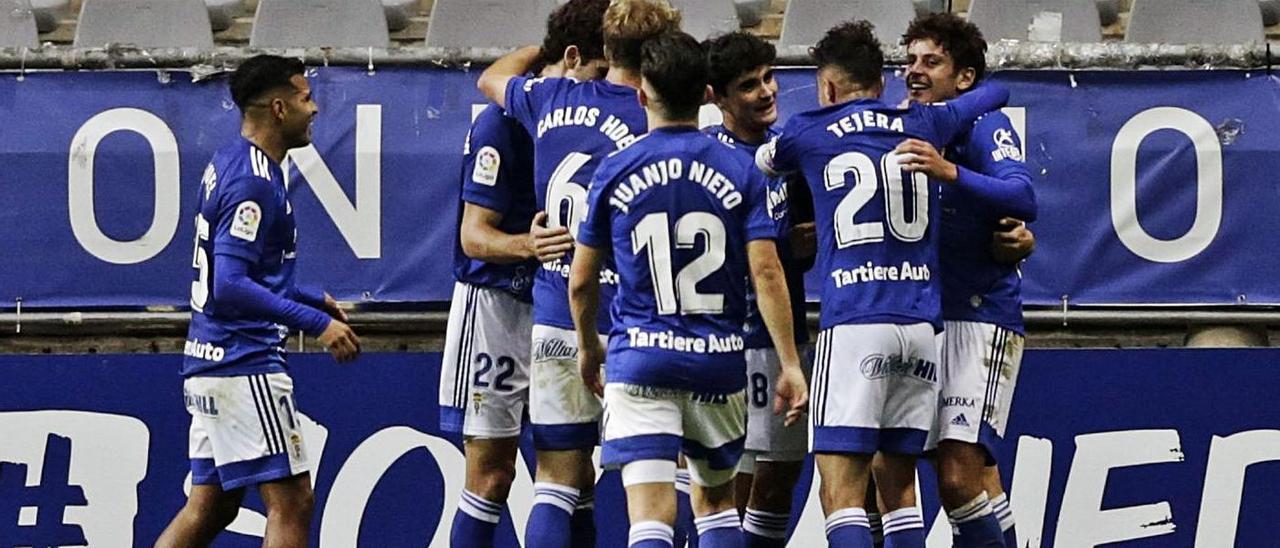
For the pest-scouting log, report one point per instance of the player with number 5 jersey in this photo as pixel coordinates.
(875, 372)
(574, 125)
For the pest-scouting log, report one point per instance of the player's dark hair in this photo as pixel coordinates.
(629, 23)
(853, 48)
(576, 23)
(730, 55)
(676, 69)
(261, 74)
(960, 38)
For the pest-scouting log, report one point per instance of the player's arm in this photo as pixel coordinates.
(1007, 190)
(483, 240)
(584, 302)
(316, 298)
(959, 114)
(1013, 242)
(775, 307)
(494, 80)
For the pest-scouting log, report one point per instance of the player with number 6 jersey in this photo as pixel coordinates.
(875, 372)
(574, 125)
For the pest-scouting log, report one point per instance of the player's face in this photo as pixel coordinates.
(751, 98)
(932, 74)
(300, 110)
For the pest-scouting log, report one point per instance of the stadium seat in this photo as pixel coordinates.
(319, 23)
(806, 21)
(751, 12)
(398, 13)
(487, 23)
(222, 13)
(705, 18)
(1063, 20)
(925, 7)
(144, 23)
(18, 25)
(47, 13)
(1108, 12)
(1270, 11)
(1195, 22)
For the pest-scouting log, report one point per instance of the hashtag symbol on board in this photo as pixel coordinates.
(41, 506)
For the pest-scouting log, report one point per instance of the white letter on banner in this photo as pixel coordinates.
(1030, 490)
(359, 223)
(1229, 457)
(1082, 523)
(164, 221)
(1124, 185)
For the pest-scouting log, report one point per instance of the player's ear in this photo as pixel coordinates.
(644, 98)
(572, 58)
(278, 108)
(966, 79)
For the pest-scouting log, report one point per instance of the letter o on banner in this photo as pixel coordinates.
(164, 221)
(1124, 185)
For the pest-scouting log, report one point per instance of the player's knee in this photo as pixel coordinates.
(493, 483)
(957, 487)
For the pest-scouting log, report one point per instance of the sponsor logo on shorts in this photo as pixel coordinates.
(960, 421)
(877, 366)
(956, 401)
(553, 349)
(203, 351)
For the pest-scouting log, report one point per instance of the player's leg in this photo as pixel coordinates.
(290, 505)
(686, 532)
(207, 512)
(873, 505)
(715, 429)
(977, 374)
(778, 451)
(844, 479)
(493, 354)
(1000, 506)
(566, 428)
(745, 477)
(642, 437)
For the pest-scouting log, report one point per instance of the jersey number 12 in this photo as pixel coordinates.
(681, 293)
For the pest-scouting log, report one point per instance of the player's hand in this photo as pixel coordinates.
(549, 244)
(341, 341)
(804, 240)
(333, 310)
(919, 156)
(792, 395)
(1013, 242)
(590, 356)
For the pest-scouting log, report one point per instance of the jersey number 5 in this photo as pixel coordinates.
(652, 233)
(200, 262)
(866, 180)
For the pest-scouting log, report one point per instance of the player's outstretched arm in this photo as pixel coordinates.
(1007, 190)
(236, 289)
(584, 301)
(493, 81)
(483, 240)
(775, 306)
(959, 114)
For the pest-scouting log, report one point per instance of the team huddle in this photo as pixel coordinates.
(628, 280)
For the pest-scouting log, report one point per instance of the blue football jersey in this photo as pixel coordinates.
(242, 211)
(574, 126)
(877, 225)
(993, 183)
(676, 211)
(781, 210)
(497, 174)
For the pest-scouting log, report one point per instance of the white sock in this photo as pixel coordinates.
(766, 524)
(650, 530)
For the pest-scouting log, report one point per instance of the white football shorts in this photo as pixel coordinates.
(564, 413)
(484, 376)
(980, 364)
(244, 430)
(767, 437)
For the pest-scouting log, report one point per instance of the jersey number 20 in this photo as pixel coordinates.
(866, 180)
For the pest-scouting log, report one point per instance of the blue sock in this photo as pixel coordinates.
(685, 531)
(1000, 507)
(650, 534)
(904, 528)
(549, 520)
(474, 522)
(762, 529)
(583, 524)
(722, 530)
(848, 528)
(976, 526)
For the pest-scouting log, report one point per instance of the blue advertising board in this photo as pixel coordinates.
(1155, 187)
(1137, 448)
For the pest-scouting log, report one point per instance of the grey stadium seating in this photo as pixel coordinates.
(806, 21)
(47, 13)
(17, 24)
(145, 23)
(398, 13)
(1270, 11)
(705, 18)
(319, 23)
(750, 12)
(222, 13)
(1108, 12)
(1195, 22)
(487, 23)
(1012, 19)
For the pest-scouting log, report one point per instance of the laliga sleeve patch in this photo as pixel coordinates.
(488, 160)
(245, 224)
